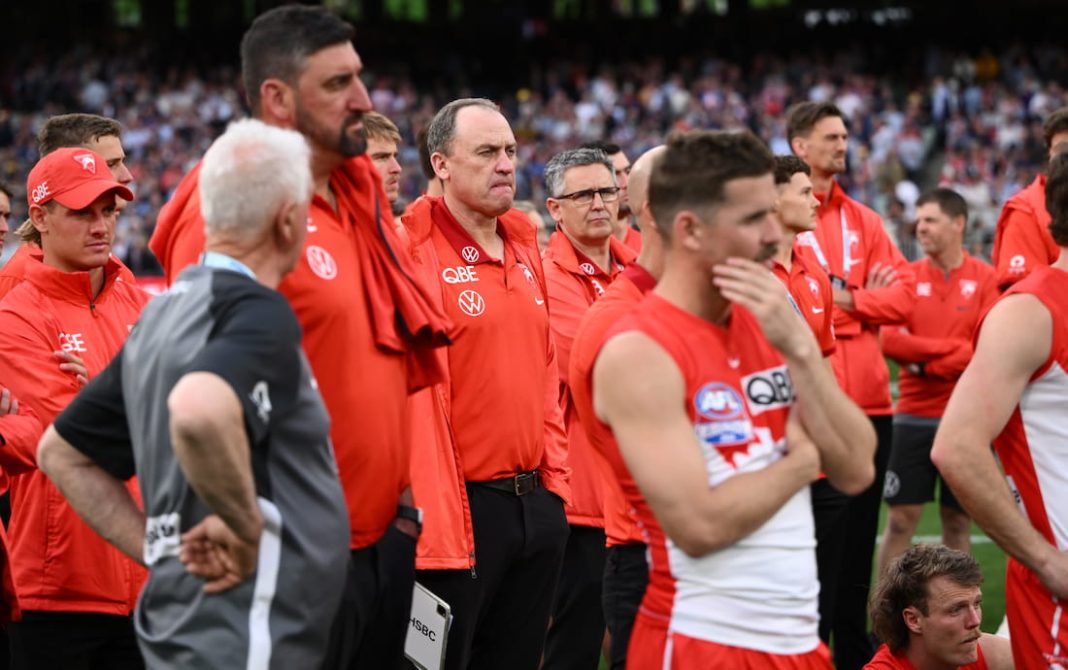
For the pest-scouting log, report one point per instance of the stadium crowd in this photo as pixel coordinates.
(658, 434)
(971, 121)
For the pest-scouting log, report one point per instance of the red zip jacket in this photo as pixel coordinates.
(621, 298)
(938, 334)
(857, 360)
(59, 563)
(14, 271)
(366, 328)
(1022, 240)
(444, 453)
(574, 283)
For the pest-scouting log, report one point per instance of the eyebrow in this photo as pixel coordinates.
(496, 147)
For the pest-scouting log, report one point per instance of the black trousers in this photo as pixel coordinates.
(577, 628)
(372, 621)
(501, 608)
(845, 536)
(74, 641)
(626, 574)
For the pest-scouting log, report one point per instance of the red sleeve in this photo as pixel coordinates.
(951, 365)
(19, 435)
(825, 336)
(555, 474)
(904, 347)
(567, 304)
(893, 303)
(1021, 248)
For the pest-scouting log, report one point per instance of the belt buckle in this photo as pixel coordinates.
(520, 483)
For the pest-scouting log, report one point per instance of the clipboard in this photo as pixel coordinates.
(428, 629)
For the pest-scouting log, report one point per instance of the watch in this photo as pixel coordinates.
(410, 513)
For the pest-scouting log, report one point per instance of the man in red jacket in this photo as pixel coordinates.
(489, 451)
(582, 260)
(872, 285)
(1021, 240)
(76, 595)
(953, 292)
(368, 323)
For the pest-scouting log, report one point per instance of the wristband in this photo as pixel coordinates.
(410, 513)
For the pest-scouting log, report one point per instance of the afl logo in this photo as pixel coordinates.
(588, 268)
(718, 401)
(471, 303)
(470, 254)
(321, 262)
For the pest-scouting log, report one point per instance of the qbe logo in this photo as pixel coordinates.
(768, 389)
(718, 401)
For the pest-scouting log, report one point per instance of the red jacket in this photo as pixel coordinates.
(14, 271)
(366, 327)
(1022, 240)
(574, 283)
(939, 332)
(59, 563)
(438, 466)
(857, 361)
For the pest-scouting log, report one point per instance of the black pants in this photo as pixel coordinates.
(848, 550)
(626, 574)
(577, 628)
(74, 641)
(372, 622)
(501, 608)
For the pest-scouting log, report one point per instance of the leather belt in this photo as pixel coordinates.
(520, 485)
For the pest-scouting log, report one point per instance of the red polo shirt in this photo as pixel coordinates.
(810, 288)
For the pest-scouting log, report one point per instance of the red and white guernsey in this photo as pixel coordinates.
(1033, 448)
(759, 593)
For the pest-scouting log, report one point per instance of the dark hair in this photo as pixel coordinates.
(424, 156)
(949, 201)
(1056, 123)
(1057, 198)
(803, 117)
(609, 148)
(75, 130)
(6, 190)
(905, 585)
(442, 127)
(787, 166)
(277, 43)
(695, 168)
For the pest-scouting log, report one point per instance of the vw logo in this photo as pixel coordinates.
(321, 262)
(470, 254)
(588, 268)
(471, 303)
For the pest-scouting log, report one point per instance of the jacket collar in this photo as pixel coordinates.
(73, 287)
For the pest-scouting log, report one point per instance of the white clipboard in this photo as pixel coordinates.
(428, 629)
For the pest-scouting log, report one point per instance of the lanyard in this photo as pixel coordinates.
(846, 260)
(214, 259)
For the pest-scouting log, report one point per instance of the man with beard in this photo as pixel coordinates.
(622, 230)
(698, 386)
(927, 609)
(367, 320)
(872, 286)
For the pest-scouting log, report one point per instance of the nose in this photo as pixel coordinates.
(394, 166)
(772, 232)
(3, 226)
(360, 101)
(122, 174)
(598, 201)
(505, 163)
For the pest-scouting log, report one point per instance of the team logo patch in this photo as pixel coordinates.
(471, 303)
(923, 289)
(1017, 264)
(892, 485)
(724, 433)
(321, 262)
(87, 161)
(588, 268)
(470, 254)
(813, 286)
(768, 389)
(718, 401)
(967, 288)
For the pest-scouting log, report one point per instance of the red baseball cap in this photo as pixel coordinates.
(73, 177)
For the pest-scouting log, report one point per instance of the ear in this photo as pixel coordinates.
(288, 226)
(689, 229)
(278, 102)
(913, 620)
(555, 209)
(39, 218)
(960, 223)
(441, 165)
(799, 146)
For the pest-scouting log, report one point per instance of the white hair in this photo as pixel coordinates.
(248, 173)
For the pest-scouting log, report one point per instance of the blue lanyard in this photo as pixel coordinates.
(214, 259)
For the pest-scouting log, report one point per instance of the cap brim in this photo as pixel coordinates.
(86, 193)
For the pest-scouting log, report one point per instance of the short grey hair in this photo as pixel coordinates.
(565, 160)
(442, 127)
(248, 173)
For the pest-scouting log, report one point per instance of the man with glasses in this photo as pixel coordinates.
(621, 228)
(583, 258)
